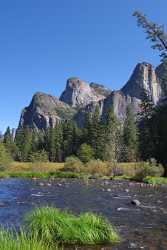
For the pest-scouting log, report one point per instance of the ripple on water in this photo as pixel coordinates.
(143, 227)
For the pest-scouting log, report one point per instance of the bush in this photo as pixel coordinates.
(73, 164)
(4, 157)
(53, 226)
(85, 153)
(40, 156)
(97, 167)
(156, 180)
(149, 169)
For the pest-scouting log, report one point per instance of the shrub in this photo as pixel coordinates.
(97, 167)
(40, 156)
(4, 157)
(156, 180)
(85, 153)
(148, 169)
(52, 225)
(73, 164)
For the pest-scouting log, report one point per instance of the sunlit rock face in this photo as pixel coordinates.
(79, 94)
(119, 102)
(80, 98)
(161, 72)
(143, 78)
(45, 111)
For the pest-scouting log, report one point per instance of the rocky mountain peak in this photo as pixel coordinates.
(80, 97)
(45, 111)
(78, 93)
(100, 89)
(143, 79)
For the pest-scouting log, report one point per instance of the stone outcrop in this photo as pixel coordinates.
(100, 89)
(161, 72)
(119, 101)
(79, 94)
(143, 79)
(79, 98)
(45, 111)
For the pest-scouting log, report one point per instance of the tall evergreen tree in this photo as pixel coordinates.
(54, 143)
(8, 141)
(96, 133)
(23, 141)
(145, 134)
(158, 131)
(112, 137)
(130, 136)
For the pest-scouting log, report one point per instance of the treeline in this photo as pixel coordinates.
(106, 139)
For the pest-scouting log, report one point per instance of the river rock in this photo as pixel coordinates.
(136, 202)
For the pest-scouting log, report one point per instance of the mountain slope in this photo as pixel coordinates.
(79, 98)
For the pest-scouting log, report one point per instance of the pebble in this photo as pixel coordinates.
(132, 245)
(122, 209)
(136, 202)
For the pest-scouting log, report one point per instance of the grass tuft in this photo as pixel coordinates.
(54, 225)
(15, 241)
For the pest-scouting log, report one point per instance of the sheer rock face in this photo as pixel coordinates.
(119, 101)
(161, 72)
(45, 111)
(143, 78)
(79, 94)
(79, 98)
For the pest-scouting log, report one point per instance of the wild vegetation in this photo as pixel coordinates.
(55, 226)
(46, 228)
(20, 241)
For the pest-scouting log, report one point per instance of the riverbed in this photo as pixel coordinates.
(140, 227)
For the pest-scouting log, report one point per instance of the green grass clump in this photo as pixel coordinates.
(156, 180)
(54, 225)
(15, 241)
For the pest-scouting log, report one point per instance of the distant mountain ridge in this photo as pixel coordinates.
(80, 97)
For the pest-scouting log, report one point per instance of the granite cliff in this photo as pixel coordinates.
(80, 97)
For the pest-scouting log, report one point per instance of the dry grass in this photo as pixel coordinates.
(36, 167)
(128, 168)
(96, 167)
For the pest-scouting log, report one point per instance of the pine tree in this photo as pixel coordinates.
(85, 152)
(145, 135)
(8, 141)
(96, 133)
(158, 125)
(68, 138)
(155, 33)
(23, 141)
(54, 143)
(130, 136)
(112, 137)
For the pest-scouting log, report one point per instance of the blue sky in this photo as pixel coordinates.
(42, 43)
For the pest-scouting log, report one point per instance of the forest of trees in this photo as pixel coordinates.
(100, 139)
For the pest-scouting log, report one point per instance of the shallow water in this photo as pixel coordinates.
(143, 227)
